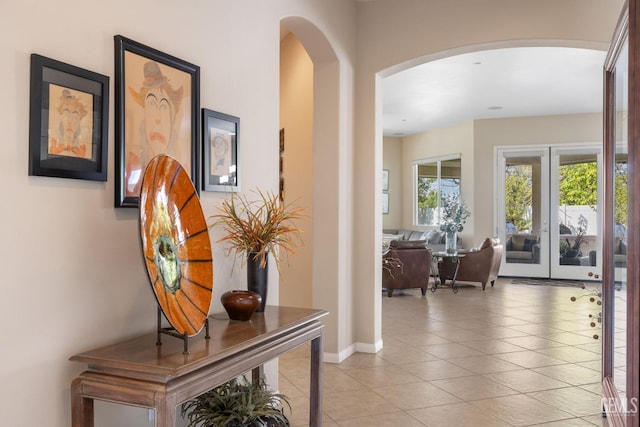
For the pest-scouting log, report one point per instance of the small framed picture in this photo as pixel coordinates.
(68, 121)
(385, 179)
(157, 112)
(220, 133)
(385, 203)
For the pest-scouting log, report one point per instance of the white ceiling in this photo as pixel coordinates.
(513, 82)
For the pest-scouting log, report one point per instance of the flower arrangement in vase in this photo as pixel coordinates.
(454, 216)
(256, 228)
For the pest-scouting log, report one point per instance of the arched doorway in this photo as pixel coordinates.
(326, 281)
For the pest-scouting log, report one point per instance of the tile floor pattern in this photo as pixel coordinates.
(513, 355)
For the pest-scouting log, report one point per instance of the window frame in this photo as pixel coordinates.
(439, 160)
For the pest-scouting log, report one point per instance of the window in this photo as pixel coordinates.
(435, 178)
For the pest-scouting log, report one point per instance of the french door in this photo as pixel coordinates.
(523, 211)
(548, 210)
(576, 199)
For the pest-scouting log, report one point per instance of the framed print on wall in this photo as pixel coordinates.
(220, 152)
(385, 179)
(385, 203)
(68, 121)
(157, 112)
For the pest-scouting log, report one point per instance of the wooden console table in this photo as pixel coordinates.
(137, 372)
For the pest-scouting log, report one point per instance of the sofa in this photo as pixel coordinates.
(406, 265)
(522, 248)
(435, 239)
(480, 264)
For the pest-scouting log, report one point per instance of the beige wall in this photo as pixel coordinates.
(296, 117)
(392, 161)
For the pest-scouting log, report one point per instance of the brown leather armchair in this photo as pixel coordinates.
(480, 264)
(406, 265)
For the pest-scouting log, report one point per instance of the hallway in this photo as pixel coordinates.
(513, 355)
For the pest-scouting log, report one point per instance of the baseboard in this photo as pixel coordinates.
(339, 357)
(353, 348)
(369, 348)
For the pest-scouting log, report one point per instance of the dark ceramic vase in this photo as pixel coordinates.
(257, 277)
(239, 304)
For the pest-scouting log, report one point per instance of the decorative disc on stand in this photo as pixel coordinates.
(175, 245)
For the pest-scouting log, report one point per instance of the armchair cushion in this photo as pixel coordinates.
(523, 248)
(488, 242)
(408, 244)
(621, 248)
(435, 237)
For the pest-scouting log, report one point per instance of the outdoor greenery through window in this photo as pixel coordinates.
(577, 204)
(621, 184)
(519, 196)
(435, 179)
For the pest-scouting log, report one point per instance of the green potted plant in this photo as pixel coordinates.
(237, 403)
(573, 250)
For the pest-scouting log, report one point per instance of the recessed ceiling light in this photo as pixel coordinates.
(397, 134)
(495, 107)
(477, 63)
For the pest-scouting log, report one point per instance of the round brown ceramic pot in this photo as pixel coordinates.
(239, 304)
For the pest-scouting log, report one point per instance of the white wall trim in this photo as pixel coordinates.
(354, 348)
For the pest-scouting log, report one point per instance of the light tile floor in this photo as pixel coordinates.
(513, 355)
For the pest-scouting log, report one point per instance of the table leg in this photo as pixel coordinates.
(435, 273)
(81, 407)
(165, 411)
(454, 287)
(315, 399)
(257, 374)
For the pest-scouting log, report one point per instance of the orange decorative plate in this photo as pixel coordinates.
(175, 245)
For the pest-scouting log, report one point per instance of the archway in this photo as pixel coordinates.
(483, 221)
(330, 255)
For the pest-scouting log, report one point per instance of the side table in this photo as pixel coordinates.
(455, 259)
(136, 372)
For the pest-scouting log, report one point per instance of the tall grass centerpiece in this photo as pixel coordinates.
(255, 228)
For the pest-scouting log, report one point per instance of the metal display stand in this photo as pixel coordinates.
(168, 330)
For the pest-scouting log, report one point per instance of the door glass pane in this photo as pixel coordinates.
(577, 228)
(522, 210)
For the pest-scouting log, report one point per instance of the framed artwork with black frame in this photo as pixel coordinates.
(68, 121)
(220, 133)
(157, 112)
